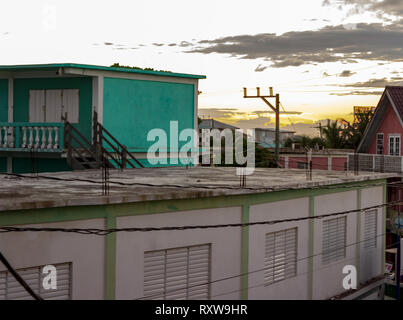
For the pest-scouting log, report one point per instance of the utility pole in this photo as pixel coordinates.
(276, 110)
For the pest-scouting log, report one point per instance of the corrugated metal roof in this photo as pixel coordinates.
(396, 94)
(214, 124)
(56, 66)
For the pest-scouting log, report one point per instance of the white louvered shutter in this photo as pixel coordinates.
(280, 255)
(10, 289)
(177, 274)
(199, 272)
(370, 222)
(333, 240)
(36, 106)
(70, 104)
(2, 285)
(53, 105)
(154, 274)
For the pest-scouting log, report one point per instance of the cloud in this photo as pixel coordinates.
(315, 19)
(260, 122)
(366, 41)
(390, 7)
(357, 93)
(376, 83)
(346, 74)
(272, 112)
(260, 68)
(116, 46)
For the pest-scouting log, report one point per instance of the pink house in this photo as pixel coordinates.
(384, 133)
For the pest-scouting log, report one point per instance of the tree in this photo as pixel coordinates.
(353, 133)
(334, 136)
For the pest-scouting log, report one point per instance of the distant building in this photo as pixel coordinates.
(266, 137)
(383, 135)
(361, 110)
(129, 103)
(214, 124)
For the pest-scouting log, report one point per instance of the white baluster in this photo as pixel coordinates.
(50, 145)
(5, 142)
(56, 145)
(43, 145)
(31, 137)
(11, 137)
(24, 137)
(37, 137)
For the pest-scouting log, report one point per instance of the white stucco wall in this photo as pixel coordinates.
(328, 278)
(292, 288)
(371, 258)
(86, 253)
(225, 248)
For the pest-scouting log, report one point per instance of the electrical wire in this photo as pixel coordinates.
(217, 187)
(19, 279)
(260, 270)
(104, 232)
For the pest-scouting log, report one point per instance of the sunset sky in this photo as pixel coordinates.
(322, 56)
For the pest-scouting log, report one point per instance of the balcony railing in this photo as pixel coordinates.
(25, 136)
(375, 162)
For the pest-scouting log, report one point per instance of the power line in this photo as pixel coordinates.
(103, 232)
(218, 187)
(17, 277)
(262, 269)
(292, 124)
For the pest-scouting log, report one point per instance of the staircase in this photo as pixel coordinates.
(104, 151)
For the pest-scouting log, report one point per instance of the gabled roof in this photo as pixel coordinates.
(56, 66)
(214, 124)
(392, 94)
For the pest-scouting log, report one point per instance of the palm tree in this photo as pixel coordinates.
(333, 136)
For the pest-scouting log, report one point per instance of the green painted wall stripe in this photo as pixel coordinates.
(111, 212)
(358, 261)
(245, 254)
(47, 215)
(311, 246)
(110, 259)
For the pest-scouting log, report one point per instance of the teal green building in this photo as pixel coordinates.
(57, 117)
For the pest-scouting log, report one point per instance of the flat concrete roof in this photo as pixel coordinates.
(78, 188)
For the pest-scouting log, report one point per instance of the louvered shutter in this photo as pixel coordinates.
(2, 286)
(70, 104)
(177, 274)
(370, 221)
(199, 272)
(10, 289)
(63, 289)
(36, 106)
(333, 240)
(154, 274)
(280, 255)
